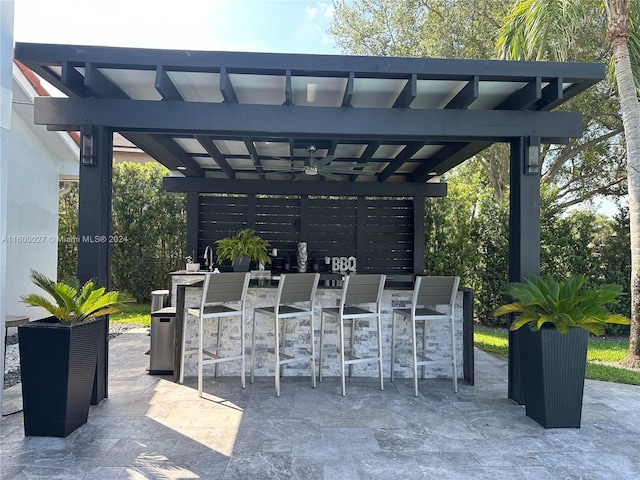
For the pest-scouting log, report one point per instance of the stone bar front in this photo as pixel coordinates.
(186, 291)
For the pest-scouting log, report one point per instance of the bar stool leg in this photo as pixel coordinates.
(253, 347)
(380, 351)
(414, 355)
(351, 346)
(393, 344)
(184, 344)
(313, 352)
(342, 372)
(242, 350)
(424, 347)
(215, 365)
(454, 369)
(200, 348)
(277, 352)
(320, 353)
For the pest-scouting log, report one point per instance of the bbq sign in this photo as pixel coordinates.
(342, 264)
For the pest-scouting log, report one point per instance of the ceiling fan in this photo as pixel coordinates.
(318, 166)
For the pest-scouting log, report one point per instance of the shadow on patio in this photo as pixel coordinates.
(150, 427)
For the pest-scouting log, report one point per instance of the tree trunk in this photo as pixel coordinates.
(618, 33)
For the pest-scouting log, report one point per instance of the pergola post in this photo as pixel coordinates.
(524, 235)
(94, 228)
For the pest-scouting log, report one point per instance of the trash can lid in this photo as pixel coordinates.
(165, 312)
(160, 292)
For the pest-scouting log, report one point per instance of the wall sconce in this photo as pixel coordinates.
(532, 157)
(86, 147)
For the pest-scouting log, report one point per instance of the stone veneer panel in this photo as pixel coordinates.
(298, 336)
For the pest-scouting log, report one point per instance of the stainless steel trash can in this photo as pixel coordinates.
(163, 334)
(158, 299)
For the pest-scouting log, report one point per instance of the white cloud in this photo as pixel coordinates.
(327, 9)
(311, 12)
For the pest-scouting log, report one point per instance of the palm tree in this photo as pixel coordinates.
(71, 302)
(536, 27)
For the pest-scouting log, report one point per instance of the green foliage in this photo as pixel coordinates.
(244, 242)
(563, 304)
(139, 313)
(68, 232)
(72, 303)
(150, 226)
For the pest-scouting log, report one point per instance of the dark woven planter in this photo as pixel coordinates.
(553, 368)
(57, 366)
(99, 392)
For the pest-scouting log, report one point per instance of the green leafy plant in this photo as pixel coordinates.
(564, 304)
(73, 303)
(246, 243)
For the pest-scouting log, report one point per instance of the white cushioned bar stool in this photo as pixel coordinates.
(357, 291)
(428, 292)
(223, 296)
(295, 299)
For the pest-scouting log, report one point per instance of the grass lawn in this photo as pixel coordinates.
(602, 355)
(133, 313)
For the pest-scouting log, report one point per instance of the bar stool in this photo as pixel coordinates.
(219, 290)
(294, 288)
(428, 291)
(356, 290)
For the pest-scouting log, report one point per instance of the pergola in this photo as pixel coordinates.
(306, 125)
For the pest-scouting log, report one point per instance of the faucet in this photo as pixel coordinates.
(208, 258)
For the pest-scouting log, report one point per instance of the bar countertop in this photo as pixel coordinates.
(265, 279)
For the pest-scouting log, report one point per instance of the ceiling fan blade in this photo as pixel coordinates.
(324, 173)
(325, 161)
(298, 176)
(348, 171)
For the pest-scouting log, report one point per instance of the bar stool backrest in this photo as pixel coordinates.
(225, 287)
(435, 291)
(297, 287)
(362, 288)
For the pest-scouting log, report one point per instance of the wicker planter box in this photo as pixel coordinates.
(553, 368)
(58, 366)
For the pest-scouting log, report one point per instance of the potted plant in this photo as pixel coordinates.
(560, 316)
(241, 248)
(58, 354)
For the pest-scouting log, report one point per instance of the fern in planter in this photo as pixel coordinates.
(244, 243)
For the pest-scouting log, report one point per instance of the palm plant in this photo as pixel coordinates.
(536, 28)
(72, 303)
(565, 304)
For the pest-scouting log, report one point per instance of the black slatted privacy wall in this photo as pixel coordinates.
(377, 231)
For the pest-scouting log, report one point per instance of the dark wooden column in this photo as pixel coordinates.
(193, 223)
(94, 210)
(524, 236)
(418, 234)
(94, 230)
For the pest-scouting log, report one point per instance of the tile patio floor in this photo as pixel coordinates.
(152, 428)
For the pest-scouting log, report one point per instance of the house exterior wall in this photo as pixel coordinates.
(32, 216)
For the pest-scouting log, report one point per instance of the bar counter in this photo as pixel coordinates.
(186, 291)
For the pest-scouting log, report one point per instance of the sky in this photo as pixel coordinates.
(282, 26)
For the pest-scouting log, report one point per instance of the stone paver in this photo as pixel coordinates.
(150, 427)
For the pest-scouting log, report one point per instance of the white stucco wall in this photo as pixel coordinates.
(32, 215)
(36, 160)
(6, 57)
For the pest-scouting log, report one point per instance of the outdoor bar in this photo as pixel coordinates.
(338, 152)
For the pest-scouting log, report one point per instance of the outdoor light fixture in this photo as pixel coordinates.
(532, 157)
(86, 147)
